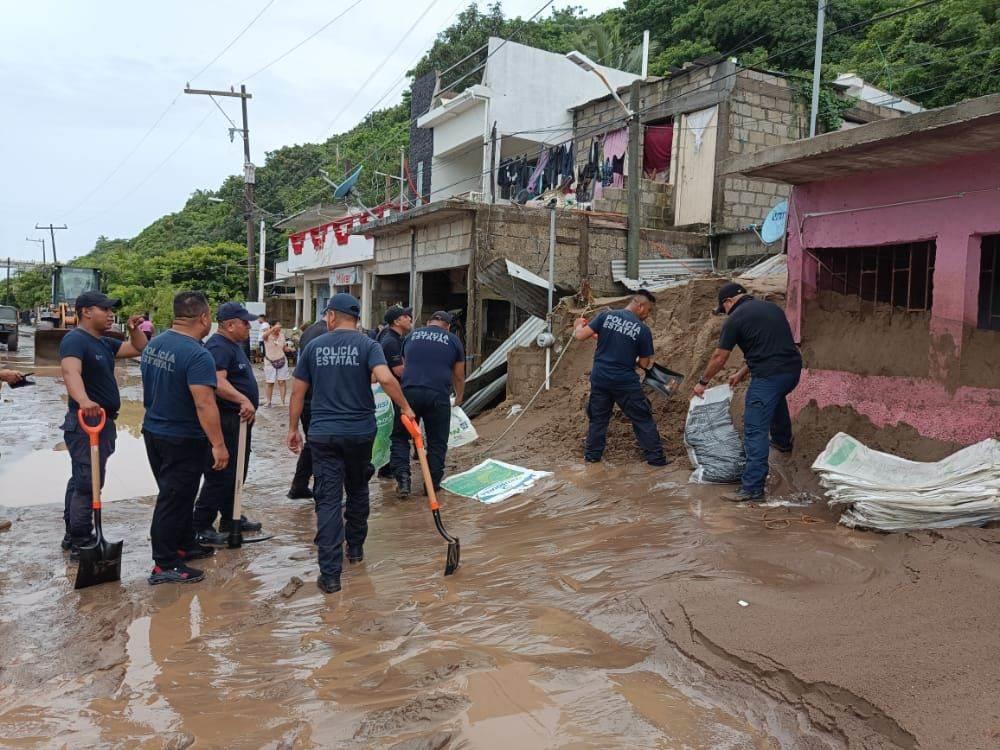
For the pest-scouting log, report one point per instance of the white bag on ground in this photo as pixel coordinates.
(462, 431)
(714, 447)
(889, 493)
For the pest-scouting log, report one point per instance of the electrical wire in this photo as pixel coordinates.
(235, 39)
(378, 68)
(309, 38)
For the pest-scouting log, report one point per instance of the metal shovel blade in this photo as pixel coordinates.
(99, 563)
(454, 548)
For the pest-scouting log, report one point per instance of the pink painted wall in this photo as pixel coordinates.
(953, 203)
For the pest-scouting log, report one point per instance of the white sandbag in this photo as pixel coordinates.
(462, 431)
(713, 445)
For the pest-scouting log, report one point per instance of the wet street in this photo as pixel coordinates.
(546, 637)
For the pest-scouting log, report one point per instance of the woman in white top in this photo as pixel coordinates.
(276, 368)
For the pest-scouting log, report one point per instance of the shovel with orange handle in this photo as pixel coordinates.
(454, 549)
(100, 562)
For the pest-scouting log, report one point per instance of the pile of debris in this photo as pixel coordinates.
(888, 493)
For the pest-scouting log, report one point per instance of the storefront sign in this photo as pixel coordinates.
(344, 276)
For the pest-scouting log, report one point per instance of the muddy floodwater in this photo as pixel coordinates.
(553, 634)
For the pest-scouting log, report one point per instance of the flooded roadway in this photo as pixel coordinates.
(540, 640)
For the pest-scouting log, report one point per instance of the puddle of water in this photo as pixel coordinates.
(40, 477)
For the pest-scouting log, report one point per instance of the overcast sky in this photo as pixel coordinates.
(83, 81)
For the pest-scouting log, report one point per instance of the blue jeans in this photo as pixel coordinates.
(766, 419)
(77, 513)
(634, 405)
(340, 464)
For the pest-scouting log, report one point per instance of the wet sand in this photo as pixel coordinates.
(598, 610)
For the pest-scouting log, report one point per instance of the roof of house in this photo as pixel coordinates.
(970, 127)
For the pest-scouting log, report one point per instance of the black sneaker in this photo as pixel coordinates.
(198, 552)
(403, 487)
(328, 584)
(212, 538)
(300, 493)
(742, 496)
(245, 525)
(355, 554)
(67, 542)
(178, 574)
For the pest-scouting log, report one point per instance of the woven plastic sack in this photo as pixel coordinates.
(462, 432)
(384, 414)
(713, 445)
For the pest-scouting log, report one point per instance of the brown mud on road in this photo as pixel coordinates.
(599, 610)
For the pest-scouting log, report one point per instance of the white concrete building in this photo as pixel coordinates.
(527, 93)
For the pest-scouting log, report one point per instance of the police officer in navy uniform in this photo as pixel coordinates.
(623, 342)
(761, 331)
(237, 395)
(87, 358)
(338, 366)
(300, 489)
(398, 324)
(181, 423)
(434, 364)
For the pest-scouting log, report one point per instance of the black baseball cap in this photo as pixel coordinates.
(345, 303)
(729, 290)
(396, 312)
(97, 299)
(444, 316)
(233, 311)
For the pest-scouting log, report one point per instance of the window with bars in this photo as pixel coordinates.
(989, 284)
(898, 275)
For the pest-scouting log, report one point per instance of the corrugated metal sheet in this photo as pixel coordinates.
(475, 404)
(523, 336)
(656, 274)
(776, 265)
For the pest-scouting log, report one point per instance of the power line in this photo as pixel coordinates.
(378, 68)
(235, 39)
(312, 36)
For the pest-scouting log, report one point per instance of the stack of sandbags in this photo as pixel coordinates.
(888, 493)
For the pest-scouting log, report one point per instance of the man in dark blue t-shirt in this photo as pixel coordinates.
(87, 358)
(182, 420)
(761, 331)
(434, 363)
(237, 396)
(623, 341)
(398, 324)
(338, 368)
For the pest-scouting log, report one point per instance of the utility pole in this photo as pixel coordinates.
(31, 239)
(263, 249)
(817, 64)
(8, 280)
(248, 171)
(402, 177)
(52, 231)
(634, 172)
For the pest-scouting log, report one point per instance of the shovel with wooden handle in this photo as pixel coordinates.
(100, 562)
(454, 549)
(236, 529)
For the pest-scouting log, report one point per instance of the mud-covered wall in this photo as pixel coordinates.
(936, 371)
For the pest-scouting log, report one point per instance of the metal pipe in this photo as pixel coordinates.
(552, 283)
(817, 64)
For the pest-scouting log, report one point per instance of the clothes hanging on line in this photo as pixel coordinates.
(657, 145)
(615, 147)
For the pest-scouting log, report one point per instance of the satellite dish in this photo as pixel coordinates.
(774, 225)
(345, 187)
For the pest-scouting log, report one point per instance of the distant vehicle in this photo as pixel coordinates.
(55, 320)
(8, 327)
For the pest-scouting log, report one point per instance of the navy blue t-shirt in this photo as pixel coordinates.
(171, 362)
(229, 356)
(622, 338)
(97, 356)
(761, 331)
(338, 367)
(430, 354)
(392, 347)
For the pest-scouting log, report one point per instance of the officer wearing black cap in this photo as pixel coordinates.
(87, 358)
(338, 366)
(624, 341)
(237, 396)
(434, 363)
(398, 324)
(761, 331)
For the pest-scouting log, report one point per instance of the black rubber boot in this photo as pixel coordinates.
(328, 584)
